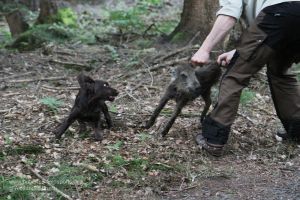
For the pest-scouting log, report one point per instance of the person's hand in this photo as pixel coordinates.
(225, 58)
(200, 57)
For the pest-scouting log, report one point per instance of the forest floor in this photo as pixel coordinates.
(38, 89)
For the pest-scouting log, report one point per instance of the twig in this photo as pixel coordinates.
(16, 76)
(265, 111)
(10, 94)
(173, 53)
(55, 189)
(130, 95)
(67, 63)
(72, 64)
(133, 89)
(86, 166)
(193, 39)
(38, 79)
(64, 52)
(152, 79)
(246, 117)
(61, 88)
(156, 67)
(186, 188)
(149, 28)
(4, 111)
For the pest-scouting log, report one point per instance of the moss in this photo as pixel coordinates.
(179, 37)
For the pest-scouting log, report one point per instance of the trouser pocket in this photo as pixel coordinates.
(251, 40)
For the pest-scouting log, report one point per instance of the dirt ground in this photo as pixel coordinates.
(131, 163)
(255, 165)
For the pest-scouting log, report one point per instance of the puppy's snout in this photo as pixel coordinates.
(194, 86)
(115, 92)
(197, 86)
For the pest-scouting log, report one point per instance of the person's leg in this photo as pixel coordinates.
(216, 126)
(252, 54)
(285, 90)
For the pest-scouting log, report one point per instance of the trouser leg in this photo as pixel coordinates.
(216, 126)
(252, 54)
(285, 90)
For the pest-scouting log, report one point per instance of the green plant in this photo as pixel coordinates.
(24, 149)
(115, 147)
(37, 35)
(68, 176)
(144, 136)
(67, 17)
(51, 103)
(5, 37)
(17, 188)
(167, 26)
(113, 108)
(179, 37)
(133, 18)
(118, 161)
(247, 96)
(114, 54)
(7, 139)
(127, 20)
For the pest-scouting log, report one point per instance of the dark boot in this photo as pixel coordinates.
(214, 137)
(213, 149)
(292, 128)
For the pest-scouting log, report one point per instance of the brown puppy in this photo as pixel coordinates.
(89, 104)
(186, 85)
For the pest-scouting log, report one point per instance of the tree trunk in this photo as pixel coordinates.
(196, 21)
(48, 8)
(16, 23)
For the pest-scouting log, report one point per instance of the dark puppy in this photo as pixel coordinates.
(89, 103)
(186, 85)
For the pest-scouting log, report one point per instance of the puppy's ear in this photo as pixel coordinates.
(84, 81)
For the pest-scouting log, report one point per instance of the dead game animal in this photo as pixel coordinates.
(89, 104)
(186, 85)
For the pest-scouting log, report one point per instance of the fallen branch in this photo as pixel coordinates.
(60, 88)
(37, 79)
(55, 189)
(75, 65)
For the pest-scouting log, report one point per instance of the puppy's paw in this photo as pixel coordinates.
(57, 134)
(146, 125)
(98, 136)
(163, 133)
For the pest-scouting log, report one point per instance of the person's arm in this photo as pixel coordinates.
(221, 27)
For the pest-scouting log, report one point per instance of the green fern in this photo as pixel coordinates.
(51, 103)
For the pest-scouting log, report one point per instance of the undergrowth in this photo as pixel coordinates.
(140, 19)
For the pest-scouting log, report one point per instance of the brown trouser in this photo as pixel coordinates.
(255, 51)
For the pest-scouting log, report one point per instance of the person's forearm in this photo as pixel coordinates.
(221, 27)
